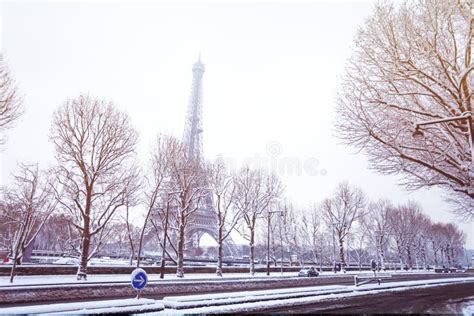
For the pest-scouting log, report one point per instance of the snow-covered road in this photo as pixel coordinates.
(235, 301)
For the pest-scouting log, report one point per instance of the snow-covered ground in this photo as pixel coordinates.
(93, 278)
(235, 301)
(83, 307)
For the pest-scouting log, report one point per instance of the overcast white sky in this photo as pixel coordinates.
(272, 71)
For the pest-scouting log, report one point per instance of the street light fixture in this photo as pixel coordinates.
(333, 225)
(464, 116)
(268, 239)
(418, 134)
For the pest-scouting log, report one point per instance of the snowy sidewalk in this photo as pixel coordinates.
(95, 307)
(123, 278)
(46, 280)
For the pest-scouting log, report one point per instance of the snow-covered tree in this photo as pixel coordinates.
(188, 188)
(341, 211)
(26, 206)
(255, 192)
(292, 231)
(95, 150)
(10, 102)
(223, 190)
(311, 230)
(453, 243)
(436, 238)
(380, 227)
(413, 62)
(407, 223)
(359, 238)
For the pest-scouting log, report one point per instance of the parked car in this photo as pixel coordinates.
(308, 272)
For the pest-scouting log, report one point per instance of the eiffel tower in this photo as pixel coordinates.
(204, 220)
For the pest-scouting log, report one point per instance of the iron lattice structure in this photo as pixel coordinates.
(192, 135)
(204, 220)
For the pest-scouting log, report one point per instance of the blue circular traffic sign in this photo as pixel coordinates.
(139, 279)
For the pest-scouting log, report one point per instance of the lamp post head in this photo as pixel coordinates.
(418, 134)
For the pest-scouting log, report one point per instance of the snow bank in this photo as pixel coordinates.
(81, 307)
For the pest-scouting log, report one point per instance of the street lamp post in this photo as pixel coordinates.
(464, 116)
(333, 247)
(268, 239)
(281, 242)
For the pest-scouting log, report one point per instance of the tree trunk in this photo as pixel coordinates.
(382, 259)
(86, 237)
(86, 241)
(165, 236)
(423, 257)
(409, 258)
(290, 257)
(142, 234)
(132, 247)
(16, 251)
(381, 254)
(448, 255)
(341, 252)
(15, 261)
(400, 257)
(321, 264)
(252, 250)
(180, 268)
(360, 265)
(129, 233)
(219, 251)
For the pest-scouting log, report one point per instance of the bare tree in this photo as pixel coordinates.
(27, 206)
(187, 182)
(10, 102)
(420, 241)
(312, 232)
(255, 191)
(406, 222)
(158, 179)
(399, 228)
(223, 190)
(342, 210)
(130, 228)
(95, 148)
(359, 238)
(379, 224)
(413, 63)
(165, 221)
(292, 231)
(436, 238)
(416, 220)
(453, 243)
